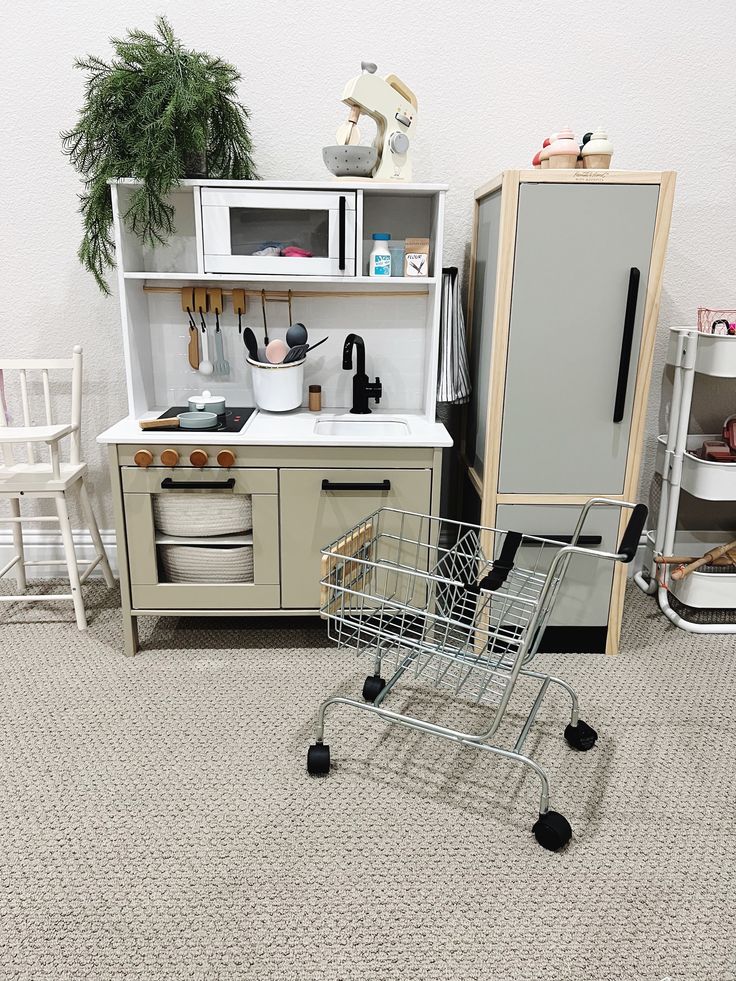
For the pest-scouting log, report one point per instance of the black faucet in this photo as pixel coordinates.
(363, 390)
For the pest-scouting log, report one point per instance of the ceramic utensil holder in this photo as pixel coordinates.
(277, 387)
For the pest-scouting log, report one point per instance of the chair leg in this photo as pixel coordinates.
(95, 533)
(20, 566)
(71, 561)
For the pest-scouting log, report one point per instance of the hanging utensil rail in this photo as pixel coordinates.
(282, 296)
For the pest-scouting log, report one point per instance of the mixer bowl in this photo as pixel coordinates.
(350, 161)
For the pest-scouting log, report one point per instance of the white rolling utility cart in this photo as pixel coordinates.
(230, 520)
(460, 608)
(712, 586)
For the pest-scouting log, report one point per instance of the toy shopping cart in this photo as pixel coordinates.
(459, 607)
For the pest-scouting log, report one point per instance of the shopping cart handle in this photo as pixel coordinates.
(632, 535)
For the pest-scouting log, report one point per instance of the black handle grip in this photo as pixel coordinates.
(341, 235)
(168, 483)
(585, 541)
(626, 344)
(632, 535)
(378, 485)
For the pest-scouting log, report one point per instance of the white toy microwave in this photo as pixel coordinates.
(254, 231)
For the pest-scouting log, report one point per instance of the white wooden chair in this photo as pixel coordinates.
(28, 478)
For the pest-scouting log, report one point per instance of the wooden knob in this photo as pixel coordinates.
(226, 458)
(170, 458)
(198, 458)
(143, 458)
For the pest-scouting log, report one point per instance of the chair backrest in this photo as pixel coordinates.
(22, 368)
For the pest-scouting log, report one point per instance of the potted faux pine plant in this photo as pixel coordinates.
(157, 112)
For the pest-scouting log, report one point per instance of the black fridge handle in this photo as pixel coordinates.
(341, 235)
(627, 342)
(168, 483)
(377, 485)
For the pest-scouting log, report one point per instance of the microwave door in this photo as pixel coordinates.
(280, 235)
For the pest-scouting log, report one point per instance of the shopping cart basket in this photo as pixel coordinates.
(459, 607)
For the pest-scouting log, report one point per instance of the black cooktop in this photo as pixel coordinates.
(232, 422)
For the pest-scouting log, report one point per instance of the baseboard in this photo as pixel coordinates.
(46, 545)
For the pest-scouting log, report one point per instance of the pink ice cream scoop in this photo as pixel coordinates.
(563, 151)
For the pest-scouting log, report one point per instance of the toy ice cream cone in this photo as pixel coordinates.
(597, 152)
(563, 151)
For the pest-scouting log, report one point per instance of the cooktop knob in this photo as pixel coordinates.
(226, 458)
(170, 458)
(198, 458)
(143, 458)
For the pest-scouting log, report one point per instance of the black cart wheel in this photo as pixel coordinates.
(318, 760)
(372, 687)
(552, 831)
(582, 736)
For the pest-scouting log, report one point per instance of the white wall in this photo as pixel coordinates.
(492, 80)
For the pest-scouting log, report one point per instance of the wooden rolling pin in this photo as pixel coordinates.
(172, 423)
(708, 559)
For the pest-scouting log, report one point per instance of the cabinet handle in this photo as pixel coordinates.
(341, 235)
(170, 484)
(626, 345)
(585, 541)
(378, 485)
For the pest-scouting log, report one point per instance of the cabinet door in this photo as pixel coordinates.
(152, 589)
(575, 249)
(585, 594)
(312, 517)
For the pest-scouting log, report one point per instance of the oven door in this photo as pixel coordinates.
(202, 539)
(247, 230)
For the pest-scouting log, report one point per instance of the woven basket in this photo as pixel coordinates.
(207, 563)
(192, 515)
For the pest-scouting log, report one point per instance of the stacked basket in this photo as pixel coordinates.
(204, 516)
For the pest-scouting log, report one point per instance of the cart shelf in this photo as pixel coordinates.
(715, 354)
(702, 478)
(709, 588)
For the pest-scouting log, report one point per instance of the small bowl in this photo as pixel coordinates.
(350, 161)
(201, 419)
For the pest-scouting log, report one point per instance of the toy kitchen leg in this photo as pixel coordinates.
(130, 622)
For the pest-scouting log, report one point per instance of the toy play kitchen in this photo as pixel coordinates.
(228, 519)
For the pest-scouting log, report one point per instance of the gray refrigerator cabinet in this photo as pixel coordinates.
(566, 270)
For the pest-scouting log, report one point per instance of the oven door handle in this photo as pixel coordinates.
(168, 483)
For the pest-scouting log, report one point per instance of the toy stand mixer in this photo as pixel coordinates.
(393, 106)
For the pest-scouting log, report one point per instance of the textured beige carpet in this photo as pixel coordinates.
(156, 819)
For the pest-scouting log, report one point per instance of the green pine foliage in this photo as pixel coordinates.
(148, 114)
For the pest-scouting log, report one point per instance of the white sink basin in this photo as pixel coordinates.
(369, 427)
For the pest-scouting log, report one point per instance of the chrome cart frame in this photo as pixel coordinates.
(460, 607)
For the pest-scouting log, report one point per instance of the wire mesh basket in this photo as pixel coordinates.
(716, 321)
(410, 586)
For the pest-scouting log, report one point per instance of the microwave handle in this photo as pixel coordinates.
(341, 235)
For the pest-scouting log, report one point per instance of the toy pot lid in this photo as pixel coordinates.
(207, 402)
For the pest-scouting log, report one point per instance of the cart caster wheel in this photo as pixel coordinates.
(582, 736)
(552, 831)
(318, 760)
(372, 687)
